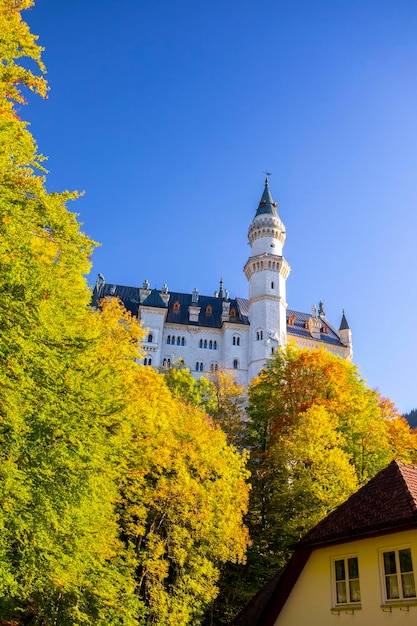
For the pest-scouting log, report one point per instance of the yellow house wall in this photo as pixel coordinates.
(310, 601)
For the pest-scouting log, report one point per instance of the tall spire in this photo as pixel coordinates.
(267, 204)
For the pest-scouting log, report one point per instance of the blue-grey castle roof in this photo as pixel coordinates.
(210, 315)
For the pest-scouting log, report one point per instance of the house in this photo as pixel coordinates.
(206, 333)
(357, 566)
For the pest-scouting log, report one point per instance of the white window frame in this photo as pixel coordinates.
(350, 601)
(402, 599)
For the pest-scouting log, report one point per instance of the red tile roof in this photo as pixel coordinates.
(387, 502)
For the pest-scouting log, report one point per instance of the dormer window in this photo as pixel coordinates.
(232, 312)
(176, 306)
(291, 320)
(209, 310)
(324, 329)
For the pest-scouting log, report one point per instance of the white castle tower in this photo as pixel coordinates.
(266, 271)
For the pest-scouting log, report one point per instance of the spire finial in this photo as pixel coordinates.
(266, 174)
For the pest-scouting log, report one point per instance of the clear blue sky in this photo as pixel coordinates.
(166, 112)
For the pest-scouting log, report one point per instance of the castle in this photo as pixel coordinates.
(207, 333)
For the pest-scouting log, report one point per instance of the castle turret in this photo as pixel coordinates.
(266, 271)
(346, 335)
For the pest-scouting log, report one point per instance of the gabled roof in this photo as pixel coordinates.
(299, 330)
(386, 504)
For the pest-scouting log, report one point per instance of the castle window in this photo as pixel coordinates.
(232, 312)
(236, 340)
(178, 341)
(147, 361)
(209, 310)
(176, 306)
(150, 338)
(205, 343)
(201, 343)
(169, 339)
(183, 341)
(166, 363)
(199, 366)
(259, 335)
(235, 364)
(215, 345)
(214, 367)
(272, 350)
(272, 285)
(325, 330)
(210, 345)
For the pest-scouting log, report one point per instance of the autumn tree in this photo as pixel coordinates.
(61, 558)
(184, 496)
(316, 433)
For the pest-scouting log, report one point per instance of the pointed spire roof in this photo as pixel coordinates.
(344, 323)
(267, 205)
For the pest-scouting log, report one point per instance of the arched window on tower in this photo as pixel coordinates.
(210, 345)
(178, 341)
(235, 364)
(214, 345)
(205, 343)
(169, 339)
(201, 343)
(183, 341)
(236, 340)
(150, 338)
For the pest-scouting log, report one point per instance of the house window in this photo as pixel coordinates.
(150, 338)
(346, 579)
(176, 306)
(398, 574)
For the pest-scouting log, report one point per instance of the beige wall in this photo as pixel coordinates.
(310, 602)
